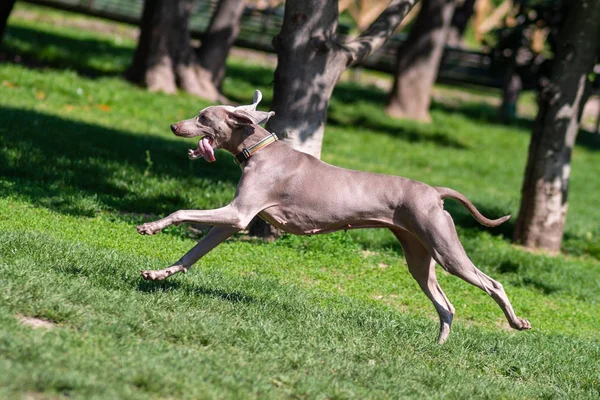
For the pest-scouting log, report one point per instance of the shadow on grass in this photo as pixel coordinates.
(192, 289)
(543, 287)
(481, 112)
(89, 57)
(351, 93)
(364, 117)
(78, 168)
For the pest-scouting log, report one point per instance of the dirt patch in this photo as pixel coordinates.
(37, 322)
(368, 253)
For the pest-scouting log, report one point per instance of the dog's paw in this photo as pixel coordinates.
(521, 324)
(149, 228)
(155, 275)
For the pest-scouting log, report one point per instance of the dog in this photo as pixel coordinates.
(302, 195)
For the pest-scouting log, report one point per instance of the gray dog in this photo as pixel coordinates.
(300, 194)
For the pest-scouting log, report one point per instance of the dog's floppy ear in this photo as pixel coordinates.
(245, 117)
(255, 101)
(248, 115)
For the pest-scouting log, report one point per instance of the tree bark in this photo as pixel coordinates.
(165, 59)
(460, 19)
(511, 90)
(542, 215)
(418, 61)
(218, 39)
(5, 10)
(311, 60)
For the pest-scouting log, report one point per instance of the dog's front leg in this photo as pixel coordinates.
(215, 236)
(229, 216)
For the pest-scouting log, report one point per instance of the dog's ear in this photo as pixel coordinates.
(255, 101)
(248, 117)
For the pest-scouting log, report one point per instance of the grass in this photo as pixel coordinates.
(84, 156)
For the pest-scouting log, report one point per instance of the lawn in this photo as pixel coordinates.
(85, 156)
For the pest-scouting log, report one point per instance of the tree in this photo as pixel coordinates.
(463, 12)
(311, 59)
(5, 9)
(418, 61)
(165, 59)
(542, 215)
(218, 39)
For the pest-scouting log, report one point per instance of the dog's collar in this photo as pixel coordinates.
(248, 152)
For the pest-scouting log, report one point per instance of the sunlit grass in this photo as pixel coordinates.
(84, 156)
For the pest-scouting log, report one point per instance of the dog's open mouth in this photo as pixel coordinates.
(204, 149)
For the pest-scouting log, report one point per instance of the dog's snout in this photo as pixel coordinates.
(174, 128)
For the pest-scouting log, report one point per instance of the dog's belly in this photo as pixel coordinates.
(311, 223)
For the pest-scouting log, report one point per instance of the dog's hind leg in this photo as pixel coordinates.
(441, 240)
(422, 267)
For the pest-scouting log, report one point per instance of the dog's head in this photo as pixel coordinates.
(220, 127)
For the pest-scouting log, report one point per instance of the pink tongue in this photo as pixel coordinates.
(206, 150)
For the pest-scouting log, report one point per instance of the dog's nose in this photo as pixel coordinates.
(174, 128)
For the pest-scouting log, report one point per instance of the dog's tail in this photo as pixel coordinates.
(453, 194)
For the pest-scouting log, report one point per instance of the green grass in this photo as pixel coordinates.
(84, 156)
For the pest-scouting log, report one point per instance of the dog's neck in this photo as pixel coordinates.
(244, 138)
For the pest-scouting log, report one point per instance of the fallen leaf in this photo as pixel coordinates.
(8, 84)
(104, 107)
(40, 95)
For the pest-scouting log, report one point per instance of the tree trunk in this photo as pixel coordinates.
(460, 19)
(311, 60)
(542, 216)
(165, 59)
(512, 87)
(223, 29)
(5, 9)
(418, 61)
(309, 64)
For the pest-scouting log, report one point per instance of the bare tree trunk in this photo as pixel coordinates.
(419, 60)
(309, 64)
(512, 87)
(165, 59)
(311, 60)
(460, 19)
(223, 29)
(5, 9)
(542, 216)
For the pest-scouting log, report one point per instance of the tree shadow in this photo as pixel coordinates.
(76, 168)
(89, 57)
(488, 114)
(537, 284)
(350, 93)
(482, 112)
(364, 117)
